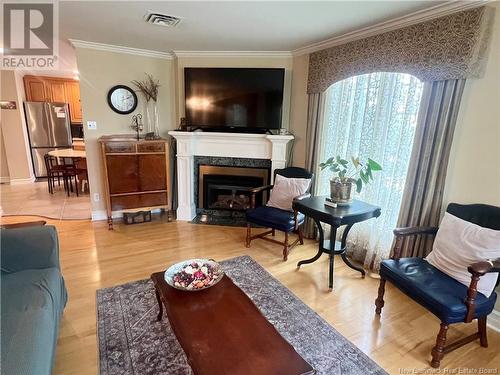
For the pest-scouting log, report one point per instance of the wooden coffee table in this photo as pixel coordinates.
(223, 332)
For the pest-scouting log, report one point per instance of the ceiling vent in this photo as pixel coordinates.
(161, 19)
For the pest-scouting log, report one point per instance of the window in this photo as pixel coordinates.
(373, 115)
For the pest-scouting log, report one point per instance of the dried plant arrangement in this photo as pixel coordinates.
(148, 87)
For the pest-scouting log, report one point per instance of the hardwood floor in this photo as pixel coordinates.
(93, 257)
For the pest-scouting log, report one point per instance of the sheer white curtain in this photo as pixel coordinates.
(373, 116)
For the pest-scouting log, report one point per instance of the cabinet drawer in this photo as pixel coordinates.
(138, 200)
(151, 147)
(113, 147)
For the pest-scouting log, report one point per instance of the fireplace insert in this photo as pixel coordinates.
(228, 187)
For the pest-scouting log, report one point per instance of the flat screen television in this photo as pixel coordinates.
(233, 98)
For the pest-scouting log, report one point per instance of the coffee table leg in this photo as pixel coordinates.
(320, 250)
(344, 254)
(160, 305)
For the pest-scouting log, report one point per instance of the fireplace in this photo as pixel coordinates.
(194, 149)
(228, 187)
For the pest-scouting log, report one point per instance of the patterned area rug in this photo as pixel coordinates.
(131, 341)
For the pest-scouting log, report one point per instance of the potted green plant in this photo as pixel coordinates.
(346, 175)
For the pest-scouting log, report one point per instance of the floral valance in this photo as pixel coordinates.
(449, 47)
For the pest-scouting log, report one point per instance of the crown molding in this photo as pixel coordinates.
(120, 49)
(436, 11)
(266, 54)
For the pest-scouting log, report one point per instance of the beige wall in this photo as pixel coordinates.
(235, 62)
(99, 71)
(14, 129)
(474, 166)
(298, 108)
(4, 168)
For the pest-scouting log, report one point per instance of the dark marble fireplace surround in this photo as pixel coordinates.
(223, 217)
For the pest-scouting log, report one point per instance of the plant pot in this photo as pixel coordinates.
(341, 192)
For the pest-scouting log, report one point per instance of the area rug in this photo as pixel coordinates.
(131, 341)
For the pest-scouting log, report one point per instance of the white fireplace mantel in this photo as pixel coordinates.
(234, 145)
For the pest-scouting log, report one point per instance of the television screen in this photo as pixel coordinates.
(221, 98)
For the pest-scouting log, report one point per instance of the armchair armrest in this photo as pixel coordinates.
(412, 231)
(34, 247)
(477, 270)
(303, 196)
(401, 233)
(485, 267)
(261, 188)
(256, 190)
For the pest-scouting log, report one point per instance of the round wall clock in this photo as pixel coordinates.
(122, 99)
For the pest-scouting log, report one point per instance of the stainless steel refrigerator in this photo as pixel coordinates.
(48, 129)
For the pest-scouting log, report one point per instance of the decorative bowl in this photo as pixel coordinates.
(194, 274)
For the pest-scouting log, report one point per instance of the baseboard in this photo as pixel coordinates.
(494, 320)
(4, 180)
(99, 215)
(22, 181)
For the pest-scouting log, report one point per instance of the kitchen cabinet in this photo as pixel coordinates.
(136, 174)
(55, 89)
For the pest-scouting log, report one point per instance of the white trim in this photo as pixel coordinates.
(494, 320)
(259, 54)
(4, 180)
(22, 181)
(99, 215)
(435, 11)
(120, 49)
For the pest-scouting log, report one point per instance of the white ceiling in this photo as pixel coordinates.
(225, 26)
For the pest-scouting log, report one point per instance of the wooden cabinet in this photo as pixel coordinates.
(73, 97)
(35, 90)
(136, 174)
(55, 89)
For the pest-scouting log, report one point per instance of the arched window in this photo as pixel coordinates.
(373, 116)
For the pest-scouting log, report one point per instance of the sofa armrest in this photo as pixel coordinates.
(34, 247)
(25, 224)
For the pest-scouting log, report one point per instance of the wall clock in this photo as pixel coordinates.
(122, 99)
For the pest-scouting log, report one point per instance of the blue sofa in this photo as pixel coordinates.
(33, 299)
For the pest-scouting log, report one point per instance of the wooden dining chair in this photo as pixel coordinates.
(55, 171)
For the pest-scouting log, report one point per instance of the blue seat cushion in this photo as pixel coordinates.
(32, 304)
(271, 217)
(439, 293)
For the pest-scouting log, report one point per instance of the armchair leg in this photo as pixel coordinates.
(301, 235)
(273, 232)
(285, 248)
(483, 338)
(438, 350)
(379, 302)
(249, 234)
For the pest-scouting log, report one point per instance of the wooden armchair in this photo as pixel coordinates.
(274, 218)
(451, 301)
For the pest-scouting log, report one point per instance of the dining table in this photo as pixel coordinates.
(79, 159)
(68, 153)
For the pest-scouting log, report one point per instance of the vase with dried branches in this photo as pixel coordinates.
(149, 89)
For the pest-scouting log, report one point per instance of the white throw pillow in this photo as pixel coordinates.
(285, 189)
(460, 243)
